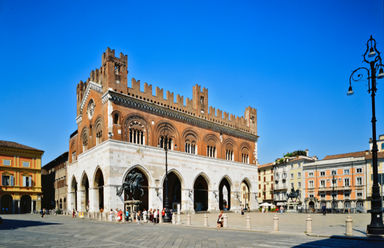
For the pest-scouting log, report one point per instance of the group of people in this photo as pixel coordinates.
(144, 216)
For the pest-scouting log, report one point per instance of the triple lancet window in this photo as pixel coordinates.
(211, 151)
(190, 147)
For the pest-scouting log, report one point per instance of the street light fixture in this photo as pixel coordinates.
(165, 142)
(372, 57)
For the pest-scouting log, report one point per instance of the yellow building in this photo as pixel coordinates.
(266, 183)
(20, 172)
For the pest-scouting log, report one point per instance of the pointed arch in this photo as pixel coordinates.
(84, 185)
(190, 139)
(136, 129)
(98, 184)
(166, 129)
(175, 182)
(142, 196)
(229, 149)
(245, 190)
(142, 169)
(225, 193)
(200, 192)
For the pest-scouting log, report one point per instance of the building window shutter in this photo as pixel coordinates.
(24, 181)
(12, 182)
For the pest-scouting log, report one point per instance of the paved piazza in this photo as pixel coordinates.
(63, 231)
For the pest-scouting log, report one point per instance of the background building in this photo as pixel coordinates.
(266, 183)
(337, 181)
(212, 155)
(20, 170)
(288, 174)
(54, 183)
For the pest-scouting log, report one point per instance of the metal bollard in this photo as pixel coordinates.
(225, 224)
(178, 219)
(188, 219)
(309, 225)
(248, 222)
(275, 223)
(348, 226)
(205, 220)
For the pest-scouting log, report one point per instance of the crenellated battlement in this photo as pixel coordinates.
(194, 106)
(113, 75)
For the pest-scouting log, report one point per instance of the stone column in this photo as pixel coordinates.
(111, 200)
(93, 200)
(235, 200)
(187, 200)
(253, 203)
(213, 200)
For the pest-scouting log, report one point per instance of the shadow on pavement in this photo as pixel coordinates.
(15, 224)
(342, 241)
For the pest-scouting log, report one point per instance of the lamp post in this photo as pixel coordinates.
(165, 142)
(333, 193)
(372, 57)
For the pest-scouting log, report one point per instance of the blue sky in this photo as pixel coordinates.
(289, 59)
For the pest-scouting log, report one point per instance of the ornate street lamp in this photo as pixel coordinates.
(372, 57)
(165, 142)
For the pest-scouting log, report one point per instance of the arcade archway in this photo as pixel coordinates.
(143, 197)
(6, 204)
(99, 185)
(74, 193)
(224, 195)
(25, 204)
(200, 196)
(245, 194)
(85, 193)
(174, 191)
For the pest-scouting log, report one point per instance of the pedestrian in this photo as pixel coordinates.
(138, 217)
(220, 220)
(111, 215)
(324, 209)
(145, 216)
(163, 214)
(74, 213)
(120, 215)
(150, 215)
(158, 216)
(127, 215)
(155, 216)
(42, 212)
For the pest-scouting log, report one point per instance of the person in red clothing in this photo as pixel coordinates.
(120, 215)
(163, 214)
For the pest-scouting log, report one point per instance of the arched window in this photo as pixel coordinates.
(190, 141)
(84, 139)
(245, 155)
(116, 118)
(165, 141)
(190, 146)
(211, 141)
(229, 152)
(135, 130)
(99, 131)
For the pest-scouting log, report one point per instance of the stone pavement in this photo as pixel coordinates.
(63, 231)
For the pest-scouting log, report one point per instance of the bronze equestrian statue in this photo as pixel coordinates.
(132, 185)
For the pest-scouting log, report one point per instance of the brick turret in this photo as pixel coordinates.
(114, 71)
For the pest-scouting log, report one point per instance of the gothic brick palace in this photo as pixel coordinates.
(212, 155)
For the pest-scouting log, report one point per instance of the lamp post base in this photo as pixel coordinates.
(375, 230)
(167, 218)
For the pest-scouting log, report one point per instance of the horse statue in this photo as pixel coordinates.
(132, 185)
(294, 194)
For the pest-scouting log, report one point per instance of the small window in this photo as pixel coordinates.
(310, 174)
(347, 194)
(311, 196)
(291, 175)
(299, 184)
(359, 181)
(322, 183)
(334, 172)
(359, 194)
(322, 195)
(322, 173)
(299, 174)
(346, 172)
(6, 162)
(26, 164)
(7, 180)
(27, 181)
(359, 170)
(310, 184)
(346, 181)
(116, 118)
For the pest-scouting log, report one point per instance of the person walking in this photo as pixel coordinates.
(220, 220)
(324, 209)
(74, 213)
(155, 216)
